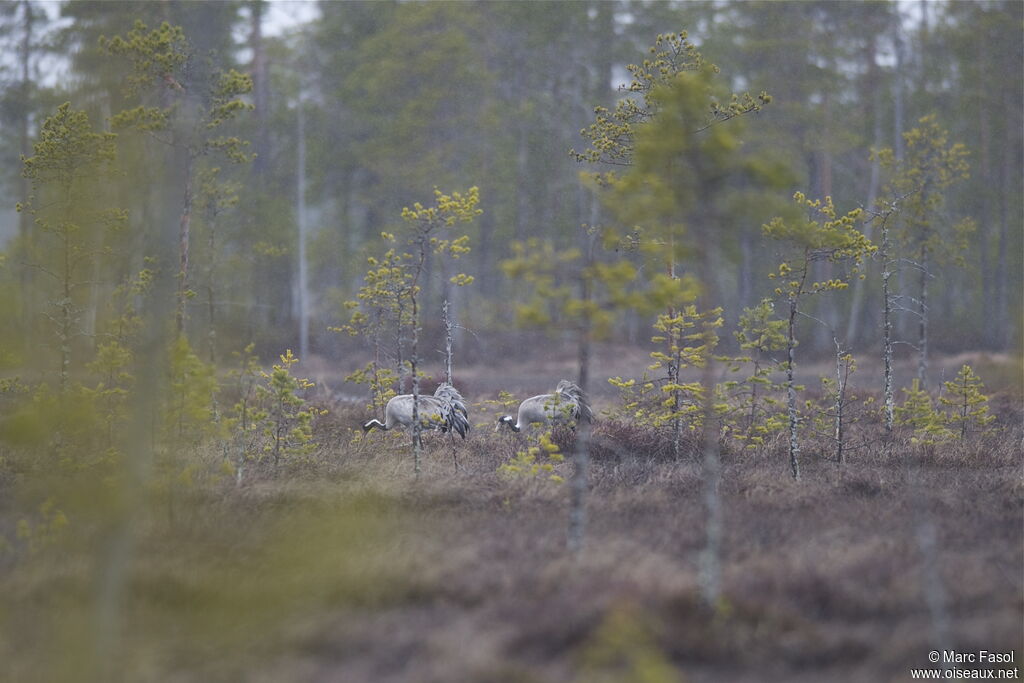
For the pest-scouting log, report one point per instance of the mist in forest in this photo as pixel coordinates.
(761, 263)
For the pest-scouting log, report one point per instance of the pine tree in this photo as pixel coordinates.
(824, 236)
(194, 101)
(287, 420)
(918, 413)
(930, 165)
(759, 334)
(69, 160)
(969, 405)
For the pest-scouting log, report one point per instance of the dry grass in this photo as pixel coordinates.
(343, 567)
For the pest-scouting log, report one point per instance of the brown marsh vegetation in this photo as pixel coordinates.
(341, 567)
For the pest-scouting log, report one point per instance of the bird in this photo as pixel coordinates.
(567, 405)
(444, 411)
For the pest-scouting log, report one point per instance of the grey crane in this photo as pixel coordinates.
(444, 411)
(568, 405)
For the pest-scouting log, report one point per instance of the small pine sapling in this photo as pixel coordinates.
(570, 289)
(683, 348)
(759, 335)
(247, 413)
(919, 414)
(535, 462)
(968, 405)
(114, 358)
(842, 407)
(188, 417)
(287, 423)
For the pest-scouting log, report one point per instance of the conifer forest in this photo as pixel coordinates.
(511, 341)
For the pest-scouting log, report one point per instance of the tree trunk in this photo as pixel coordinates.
(447, 344)
(710, 557)
(1002, 309)
(417, 429)
(842, 374)
(24, 221)
(887, 390)
(871, 87)
(300, 197)
(922, 323)
(579, 482)
(260, 88)
(899, 80)
(794, 444)
(184, 235)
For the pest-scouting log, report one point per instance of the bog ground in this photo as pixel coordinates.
(344, 568)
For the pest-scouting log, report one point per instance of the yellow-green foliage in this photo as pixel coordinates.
(246, 414)
(113, 363)
(388, 299)
(564, 289)
(624, 649)
(165, 63)
(755, 407)
(969, 405)
(288, 421)
(427, 222)
(43, 529)
(188, 416)
(69, 160)
(612, 135)
(683, 347)
(929, 166)
(381, 383)
(638, 398)
(381, 304)
(388, 285)
(823, 236)
(919, 414)
(688, 339)
(535, 461)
